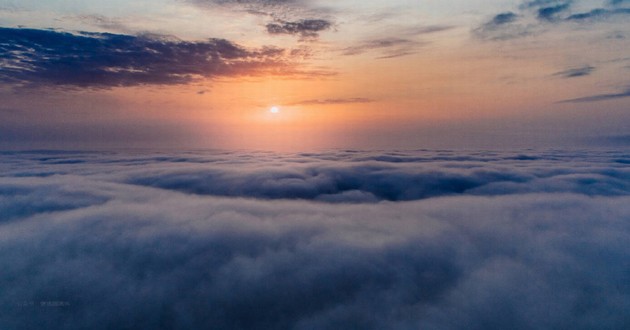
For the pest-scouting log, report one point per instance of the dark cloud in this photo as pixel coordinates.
(503, 18)
(599, 97)
(306, 28)
(576, 72)
(333, 101)
(91, 252)
(53, 58)
(551, 13)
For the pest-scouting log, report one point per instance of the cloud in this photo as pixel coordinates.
(539, 14)
(389, 47)
(361, 177)
(599, 13)
(503, 18)
(44, 58)
(429, 29)
(501, 27)
(286, 10)
(121, 255)
(306, 28)
(257, 2)
(599, 97)
(249, 5)
(551, 13)
(289, 16)
(332, 101)
(576, 72)
(104, 22)
(618, 2)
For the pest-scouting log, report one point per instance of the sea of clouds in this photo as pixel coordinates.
(424, 239)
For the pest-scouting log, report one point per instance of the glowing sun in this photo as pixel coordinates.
(274, 110)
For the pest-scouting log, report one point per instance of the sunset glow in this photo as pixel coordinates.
(201, 69)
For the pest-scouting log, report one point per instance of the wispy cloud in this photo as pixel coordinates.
(53, 58)
(332, 101)
(389, 47)
(425, 29)
(599, 97)
(111, 24)
(501, 27)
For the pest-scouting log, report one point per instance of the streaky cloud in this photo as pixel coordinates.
(389, 47)
(599, 97)
(333, 101)
(428, 29)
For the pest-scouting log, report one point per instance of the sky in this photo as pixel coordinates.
(182, 74)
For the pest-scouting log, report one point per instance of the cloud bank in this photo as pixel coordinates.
(90, 248)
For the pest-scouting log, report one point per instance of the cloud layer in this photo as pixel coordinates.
(542, 249)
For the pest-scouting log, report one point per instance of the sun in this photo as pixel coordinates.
(274, 109)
